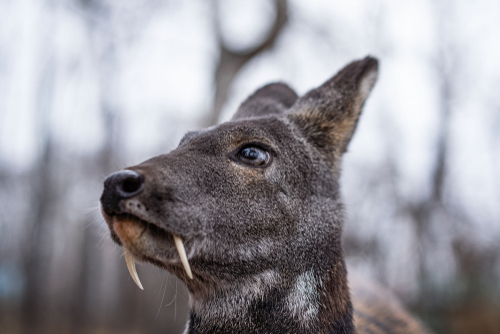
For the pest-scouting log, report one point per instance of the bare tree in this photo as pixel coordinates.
(42, 199)
(231, 61)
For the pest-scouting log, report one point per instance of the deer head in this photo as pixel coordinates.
(248, 213)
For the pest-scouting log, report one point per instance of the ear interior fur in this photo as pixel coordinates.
(273, 98)
(328, 115)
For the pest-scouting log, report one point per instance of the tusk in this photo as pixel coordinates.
(183, 256)
(131, 268)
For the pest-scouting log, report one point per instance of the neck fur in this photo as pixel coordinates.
(269, 302)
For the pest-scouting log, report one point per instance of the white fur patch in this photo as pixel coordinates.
(303, 299)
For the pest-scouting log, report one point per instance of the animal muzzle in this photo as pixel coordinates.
(123, 185)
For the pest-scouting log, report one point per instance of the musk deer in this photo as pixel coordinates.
(249, 216)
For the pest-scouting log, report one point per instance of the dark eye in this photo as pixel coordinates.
(254, 156)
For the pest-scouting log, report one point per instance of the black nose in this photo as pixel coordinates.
(120, 185)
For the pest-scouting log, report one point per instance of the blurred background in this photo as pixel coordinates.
(88, 87)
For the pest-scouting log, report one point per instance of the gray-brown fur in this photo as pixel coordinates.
(263, 242)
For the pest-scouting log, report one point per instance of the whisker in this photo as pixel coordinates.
(165, 289)
(173, 299)
(103, 241)
(163, 280)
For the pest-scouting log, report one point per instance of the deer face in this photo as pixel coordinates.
(253, 195)
(235, 194)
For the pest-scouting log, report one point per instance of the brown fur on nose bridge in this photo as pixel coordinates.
(263, 240)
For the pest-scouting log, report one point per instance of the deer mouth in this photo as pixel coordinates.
(130, 231)
(129, 228)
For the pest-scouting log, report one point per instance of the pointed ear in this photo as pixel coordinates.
(274, 98)
(327, 116)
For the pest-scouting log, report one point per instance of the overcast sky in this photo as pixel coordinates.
(165, 56)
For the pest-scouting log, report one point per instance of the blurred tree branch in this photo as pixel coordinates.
(231, 61)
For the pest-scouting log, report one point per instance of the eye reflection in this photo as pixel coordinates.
(253, 156)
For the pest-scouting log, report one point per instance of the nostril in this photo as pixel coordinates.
(131, 184)
(128, 183)
(118, 186)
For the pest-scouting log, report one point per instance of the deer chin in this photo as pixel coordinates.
(130, 231)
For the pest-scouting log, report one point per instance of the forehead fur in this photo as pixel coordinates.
(272, 131)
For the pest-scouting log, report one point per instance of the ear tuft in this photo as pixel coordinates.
(328, 115)
(273, 98)
(369, 77)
